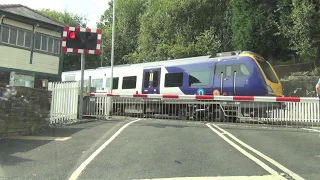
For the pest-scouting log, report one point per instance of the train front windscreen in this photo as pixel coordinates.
(274, 85)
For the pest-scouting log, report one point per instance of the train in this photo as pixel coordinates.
(235, 73)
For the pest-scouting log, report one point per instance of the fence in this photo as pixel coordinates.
(64, 103)
(283, 111)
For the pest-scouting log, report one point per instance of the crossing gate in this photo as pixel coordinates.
(64, 102)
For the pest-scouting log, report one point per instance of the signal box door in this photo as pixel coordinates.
(151, 81)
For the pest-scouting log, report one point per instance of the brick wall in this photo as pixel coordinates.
(23, 110)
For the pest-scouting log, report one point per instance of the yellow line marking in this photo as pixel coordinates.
(41, 138)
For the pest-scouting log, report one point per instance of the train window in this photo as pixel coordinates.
(229, 71)
(129, 82)
(173, 80)
(267, 69)
(70, 78)
(244, 70)
(200, 78)
(155, 82)
(115, 83)
(219, 70)
(97, 83)
(146, 79)
(241, 69)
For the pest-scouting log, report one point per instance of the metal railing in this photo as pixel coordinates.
(278, 111)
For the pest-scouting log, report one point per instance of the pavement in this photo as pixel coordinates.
(150, 149)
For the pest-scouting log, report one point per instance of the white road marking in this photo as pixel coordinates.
(41, 138)
(267, 177)
(278, 165)
(244, 152)
(313, 130)
(78, 171)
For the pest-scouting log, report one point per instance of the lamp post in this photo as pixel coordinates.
(109, 99)
(112, 43)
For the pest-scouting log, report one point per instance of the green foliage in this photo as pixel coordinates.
(283, 31)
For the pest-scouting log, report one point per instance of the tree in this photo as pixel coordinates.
(127, 28)
(177, 29)
(254, 26)
(301, 26)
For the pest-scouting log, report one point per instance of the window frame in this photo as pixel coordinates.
(25, 32)
(165, 78)
(123, 80)
(201, 85)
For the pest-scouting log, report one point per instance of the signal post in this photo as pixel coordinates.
(83, 41)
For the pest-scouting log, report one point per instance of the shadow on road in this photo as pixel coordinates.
(9, 147)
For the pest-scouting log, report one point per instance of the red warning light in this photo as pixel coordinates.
(72, 34)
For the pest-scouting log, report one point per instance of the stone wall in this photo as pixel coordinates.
(300, 86)
(23, 110)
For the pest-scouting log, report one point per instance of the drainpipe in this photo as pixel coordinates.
(32, 42)
(1, 20)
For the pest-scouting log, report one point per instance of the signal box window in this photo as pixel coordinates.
(155, 82)
(129, 82)
(173, 80)
(146, 79)
(200, 78)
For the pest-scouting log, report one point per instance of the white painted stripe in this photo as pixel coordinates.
(78, 171)
(244, 152)
(266, 177)
(98, 46)
(80, 50)
(72, 28)
(69, 49)
(94, 30)
(83, 29)
(313, 130)
(223, 98)
(91, 51)
(155, 96)
(187, 97)
(265, 99)
(309, 99)
(41, 138)
(64, 43)
(99, 36)
(126, 95)
(65, 34)
(100, 94)
(278, 165)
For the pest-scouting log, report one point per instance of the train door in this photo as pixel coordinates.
(223, 79)
(151, 81)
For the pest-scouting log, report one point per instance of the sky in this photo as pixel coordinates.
(93, 9)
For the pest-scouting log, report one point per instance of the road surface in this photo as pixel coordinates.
(150, 149)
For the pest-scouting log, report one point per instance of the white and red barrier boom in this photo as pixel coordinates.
(210, 97)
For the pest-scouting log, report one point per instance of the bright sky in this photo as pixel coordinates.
(93, 9)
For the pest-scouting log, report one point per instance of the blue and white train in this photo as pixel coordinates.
(241, 74)
(238, 73)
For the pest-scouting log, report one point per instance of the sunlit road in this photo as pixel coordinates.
(148, 149)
